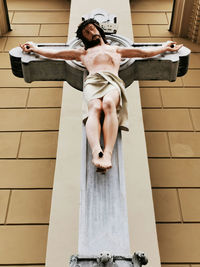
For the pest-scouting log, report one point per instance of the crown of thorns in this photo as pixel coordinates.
(79, 33)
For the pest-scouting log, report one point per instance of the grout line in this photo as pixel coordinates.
(29, 158)
(149, 30)
(11, 19)
(190, 115)
(159, 130)
(35, 108)
(146, 107)
(22, 264)
(182, 83)
(9, 200)
(169, 145)
(179, 158)
(175, 222)
(39, 30)
(180, 263)
(161, 99)
(40, 87)
(150, 11)
(40, 10)
(30, 131)
(4, 47)
(167, 18)
(44, 23)
(179, 87)
(26, 105)
(51, 188)
(172, 187)
(35, 24)
(19, 146)
(29, 188)
(175, 107)
(179, 205)
(25, 224)
(171, 87)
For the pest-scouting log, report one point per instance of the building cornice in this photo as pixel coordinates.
(186, 19)
(4, 18)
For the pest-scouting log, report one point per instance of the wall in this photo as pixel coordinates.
(171, 114)
(29, 123)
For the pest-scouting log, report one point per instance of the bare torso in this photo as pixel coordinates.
(101, 58)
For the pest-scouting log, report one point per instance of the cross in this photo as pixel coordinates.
(110, 233)
(166, 66)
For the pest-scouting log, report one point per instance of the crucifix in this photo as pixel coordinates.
(103, 228)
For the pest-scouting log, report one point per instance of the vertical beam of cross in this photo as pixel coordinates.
(63, 229)
(103, 221)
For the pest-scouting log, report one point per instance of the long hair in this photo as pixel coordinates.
(79, 33)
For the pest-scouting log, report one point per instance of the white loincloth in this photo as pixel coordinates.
(97, 86)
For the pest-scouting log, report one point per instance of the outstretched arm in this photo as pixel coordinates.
(135, 52)
(67, 54)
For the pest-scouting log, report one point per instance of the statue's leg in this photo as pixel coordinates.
(93, 130)
(110, 126)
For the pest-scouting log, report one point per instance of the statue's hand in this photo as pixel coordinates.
(172, 46)
(28, 47)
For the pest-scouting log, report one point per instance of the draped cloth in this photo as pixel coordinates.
(97, 85)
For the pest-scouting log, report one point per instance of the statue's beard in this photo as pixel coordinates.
(94, 42)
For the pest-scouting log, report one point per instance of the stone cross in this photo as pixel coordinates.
(103, 225)
(32, 67)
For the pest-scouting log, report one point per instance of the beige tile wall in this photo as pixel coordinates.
(171, 113)
(29, 123)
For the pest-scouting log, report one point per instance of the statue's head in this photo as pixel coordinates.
(90, 35)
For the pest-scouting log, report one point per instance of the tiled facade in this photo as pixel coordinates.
(171, 114)
(29, 123)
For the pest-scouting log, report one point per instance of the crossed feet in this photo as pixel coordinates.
(102, 160)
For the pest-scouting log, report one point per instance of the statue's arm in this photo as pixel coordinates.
(67, 54)
(143, 53)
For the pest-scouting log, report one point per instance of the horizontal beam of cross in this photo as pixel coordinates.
(33, 67)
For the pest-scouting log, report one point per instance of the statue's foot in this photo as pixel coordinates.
(97, 157)
(106, 162)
